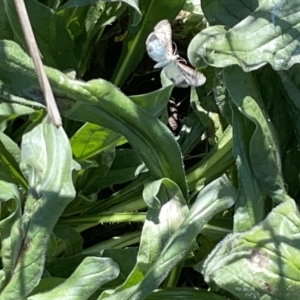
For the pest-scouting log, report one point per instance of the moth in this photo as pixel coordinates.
(159, 46)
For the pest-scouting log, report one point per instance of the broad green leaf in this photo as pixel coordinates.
(250, 202)
(154, 101)
(66, 266)
(183, 293)
(167, 210)
(92, 139)
(86, 279)
(155, 260)
(134, 43)
(99, 102)
(46, 163)
(9, 111)
(269, 34)
(260, 149)
(52, 38)
(222, 12)
(261, 263)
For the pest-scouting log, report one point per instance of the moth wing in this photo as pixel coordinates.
(184, 76)
(175, 75)
(191, 76)
(163, 32)
(157, 51)
(159, 44)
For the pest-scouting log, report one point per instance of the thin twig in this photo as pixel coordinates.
(53, 113)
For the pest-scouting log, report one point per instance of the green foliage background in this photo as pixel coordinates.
(112, 205)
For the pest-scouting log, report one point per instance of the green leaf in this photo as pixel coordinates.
(92, 139)
(46, 163)
(100, 102)
(222, 12)
(167, 210)
(160, 251)
(261, 263)
(86, 279)
(13, 110)
(154, 102)
(269, 34)
(63, 267)
(260, 149)
(183, 293)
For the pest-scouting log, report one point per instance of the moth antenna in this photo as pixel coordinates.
(179, 59)
(175, 49)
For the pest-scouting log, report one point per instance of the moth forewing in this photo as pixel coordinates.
(163, 32)
(157, 51)
(191, 76)
(173, 74)
(163, 26)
